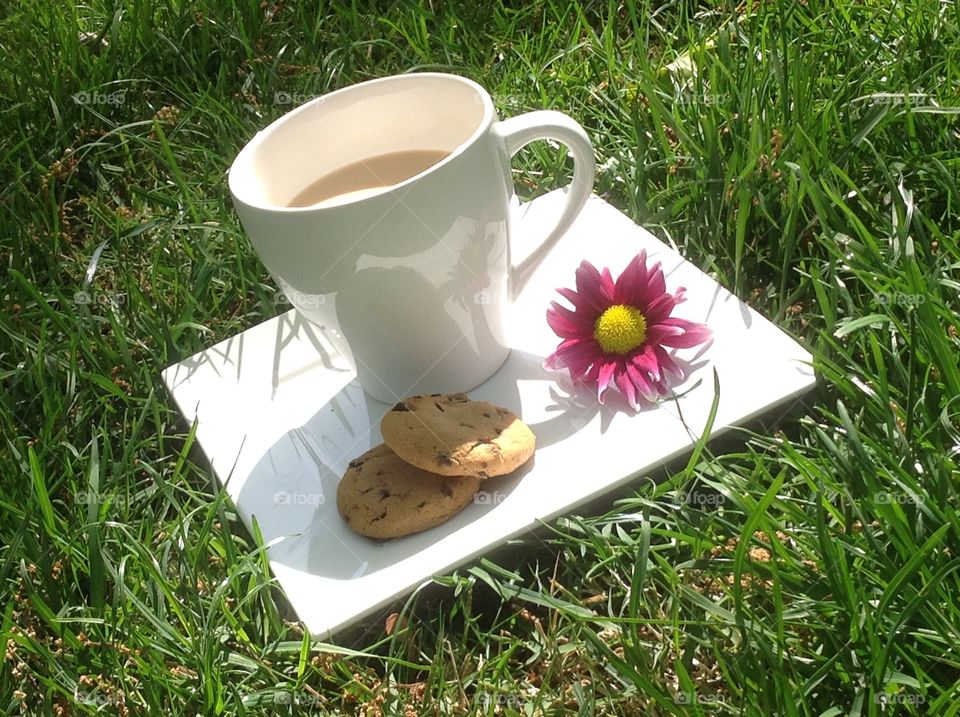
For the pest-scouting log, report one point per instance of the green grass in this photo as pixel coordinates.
(806, 154)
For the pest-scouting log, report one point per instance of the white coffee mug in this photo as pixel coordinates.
(417, 274)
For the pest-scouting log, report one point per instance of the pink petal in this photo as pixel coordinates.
(607, 371)
(657, 333)
(607, 286)
(566, 323)
(656, 284)
(642, 384)
(592, 374)
(575, 354)
(627, 389)
(588, 286)
(646, 361)
(667, 364)
(662, 387)
(693, 333)
(574, 298)
(577, 317)
(632, 283)
(658, 309)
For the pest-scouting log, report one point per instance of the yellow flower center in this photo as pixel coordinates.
(620, 329)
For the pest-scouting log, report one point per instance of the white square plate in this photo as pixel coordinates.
(280, 414)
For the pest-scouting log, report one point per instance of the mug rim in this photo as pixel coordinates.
(244, 155)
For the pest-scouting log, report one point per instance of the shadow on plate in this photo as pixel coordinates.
(295, 481)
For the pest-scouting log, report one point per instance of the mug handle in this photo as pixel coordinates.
(518, 132)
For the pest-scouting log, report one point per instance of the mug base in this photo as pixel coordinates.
(379, 391)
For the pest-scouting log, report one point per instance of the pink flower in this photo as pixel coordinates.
(618, 331)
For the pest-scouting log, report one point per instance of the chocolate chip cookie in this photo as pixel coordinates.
(451, 435)
(382, 496)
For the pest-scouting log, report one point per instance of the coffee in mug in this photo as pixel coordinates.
(364, 177)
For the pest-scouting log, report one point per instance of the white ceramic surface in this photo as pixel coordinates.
(280, 414)
(419, 274)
